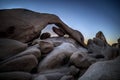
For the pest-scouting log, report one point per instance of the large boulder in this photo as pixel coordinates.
(46, 47)
(25, 63)
(66, 70)
(81, 59)
(58, 73)
(104, 70)
(9, 47)
(28, 25)
(55, 58)
(15, 76)
(30, 50)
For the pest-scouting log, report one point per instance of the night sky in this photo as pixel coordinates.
(87, 16)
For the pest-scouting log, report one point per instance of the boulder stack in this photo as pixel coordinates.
(26, 54)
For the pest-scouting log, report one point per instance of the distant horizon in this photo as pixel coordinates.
(86, 16)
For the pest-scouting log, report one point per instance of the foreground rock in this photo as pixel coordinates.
(28, 25)
(56, 57)
(29, 51)
(81, 59)
(106, 70)
(58, 74)
(15, 76)
(25, 63)
(9, 47)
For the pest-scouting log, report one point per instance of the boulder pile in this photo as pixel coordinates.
(28, 54)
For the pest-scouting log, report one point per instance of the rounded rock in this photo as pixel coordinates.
(25, 63)
(9, 47)
(45, 35)
(46, 47)
(58, 31)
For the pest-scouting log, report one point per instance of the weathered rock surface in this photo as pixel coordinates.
(30, 50)
(25, 63)
(57, 74)
(28, 25)
(15, 76)
(81, 59)
(9, 47)
(46, 47)
(56, 57)
(105, 70)
(99, 49)
(59, 40)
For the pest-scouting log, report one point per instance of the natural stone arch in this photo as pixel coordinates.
(28, 24)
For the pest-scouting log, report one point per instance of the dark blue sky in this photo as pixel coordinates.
(87, 16)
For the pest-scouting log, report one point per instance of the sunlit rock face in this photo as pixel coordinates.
(27, 52)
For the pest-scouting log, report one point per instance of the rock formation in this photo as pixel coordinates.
(28, 25)
(106, 70)
(25, 63)
(26, 54)
(57, 56)
(10, 47)
(101, 36)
